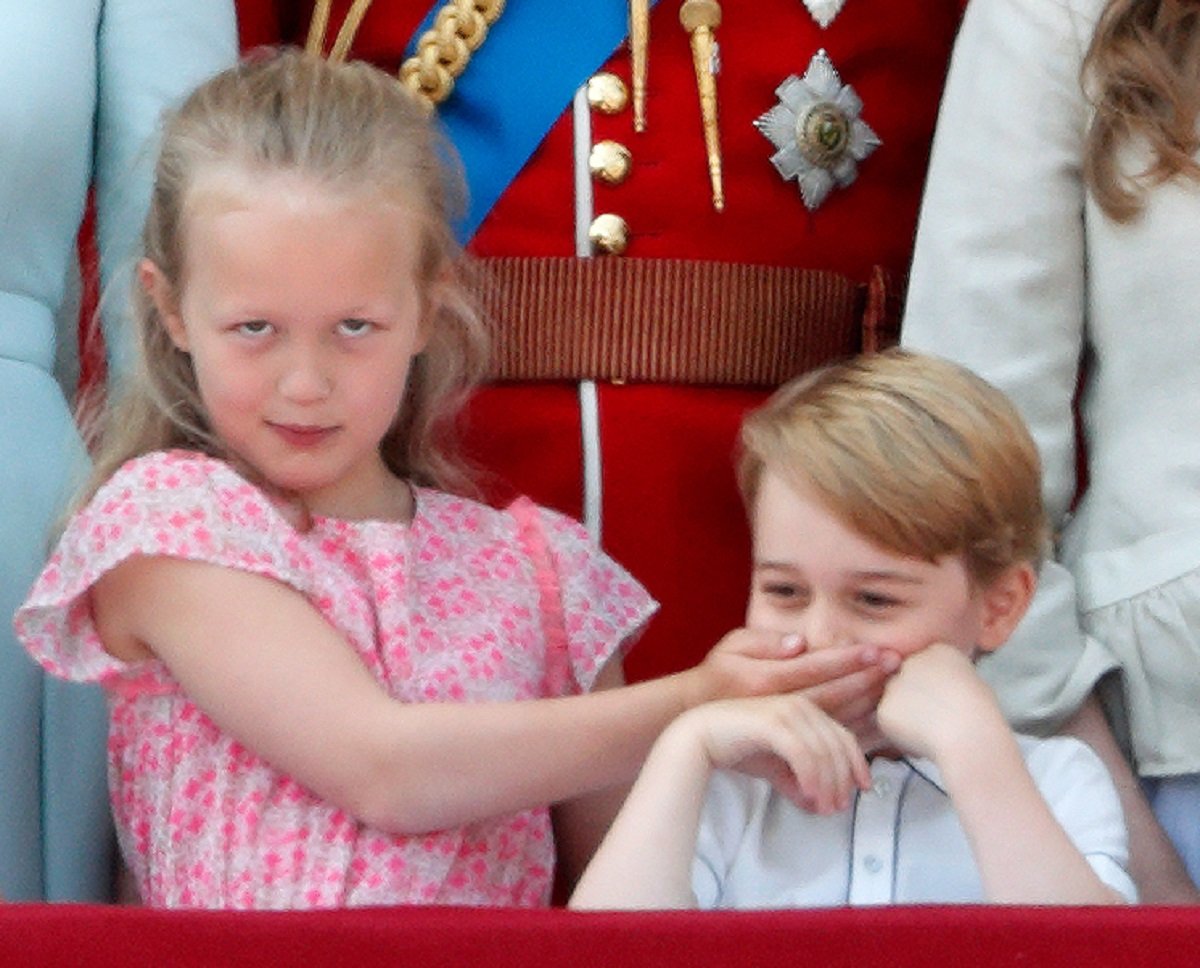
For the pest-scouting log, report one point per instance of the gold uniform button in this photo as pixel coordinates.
(609, 234)
(607, 93)
(610, 162)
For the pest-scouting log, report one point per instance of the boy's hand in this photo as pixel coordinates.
(808, 757)
(937, 703)
(845, 682)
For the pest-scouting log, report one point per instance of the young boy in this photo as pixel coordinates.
(895, 502)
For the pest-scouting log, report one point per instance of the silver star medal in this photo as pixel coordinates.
(817, 130)
(823, 11)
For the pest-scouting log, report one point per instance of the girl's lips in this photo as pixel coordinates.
(298, 435)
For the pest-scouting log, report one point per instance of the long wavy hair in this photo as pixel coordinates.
(1142, 74)
(349, 127)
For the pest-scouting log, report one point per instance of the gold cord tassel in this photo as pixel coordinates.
(700, 18)
(317, 27)
(639, 42)
(349, 28)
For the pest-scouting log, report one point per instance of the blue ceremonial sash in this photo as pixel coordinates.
(518, 84)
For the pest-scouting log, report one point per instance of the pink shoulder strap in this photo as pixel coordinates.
(559, 680)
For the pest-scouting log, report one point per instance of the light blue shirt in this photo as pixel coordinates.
(900, 843)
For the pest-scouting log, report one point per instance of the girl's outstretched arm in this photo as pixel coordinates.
(646, 860)
(266, 667)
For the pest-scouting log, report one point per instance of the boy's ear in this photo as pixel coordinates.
(162, 294)
(1005, 601)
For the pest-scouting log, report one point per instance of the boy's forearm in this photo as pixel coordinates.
(645, 860)
(1023, 853)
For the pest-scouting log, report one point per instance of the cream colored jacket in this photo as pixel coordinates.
(1019, 275)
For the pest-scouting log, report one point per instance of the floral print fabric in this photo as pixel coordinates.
(447, 608)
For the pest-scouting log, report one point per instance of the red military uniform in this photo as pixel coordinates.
(667, 503)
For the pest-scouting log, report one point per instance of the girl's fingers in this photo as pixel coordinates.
(887, 660)
(758, 644)
(850, 695)
(829, 668)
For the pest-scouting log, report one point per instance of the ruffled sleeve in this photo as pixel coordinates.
(603, 606)
(173, 504)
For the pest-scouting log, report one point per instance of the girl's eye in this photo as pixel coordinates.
(254, 327)
(355, 327)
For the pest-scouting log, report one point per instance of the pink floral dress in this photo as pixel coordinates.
(464, 604)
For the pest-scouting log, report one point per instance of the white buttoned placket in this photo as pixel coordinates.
(873, 836)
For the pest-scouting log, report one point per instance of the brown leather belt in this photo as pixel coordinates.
(675, 320)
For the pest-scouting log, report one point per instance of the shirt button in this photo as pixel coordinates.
(873, 864)
(881, 787)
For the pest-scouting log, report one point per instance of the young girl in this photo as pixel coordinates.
(318, 663)
(893, 499)
(1059, 256)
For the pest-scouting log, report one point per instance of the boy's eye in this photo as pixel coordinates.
(877, 601)
(253, 327)
(354, 326)
(782, 591)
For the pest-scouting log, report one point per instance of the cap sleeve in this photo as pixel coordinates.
(604, 607)
(171, 504)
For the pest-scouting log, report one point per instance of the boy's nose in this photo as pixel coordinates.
(821, 628)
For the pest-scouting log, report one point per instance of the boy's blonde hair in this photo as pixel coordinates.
(351, 129)
(915, 453)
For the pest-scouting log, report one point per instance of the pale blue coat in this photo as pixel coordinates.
(82, 84)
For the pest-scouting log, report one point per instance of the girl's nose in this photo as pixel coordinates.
(306, 377)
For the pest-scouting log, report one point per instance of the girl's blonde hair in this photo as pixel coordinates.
(915, 453)
(1142, 72)
(350, 128)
